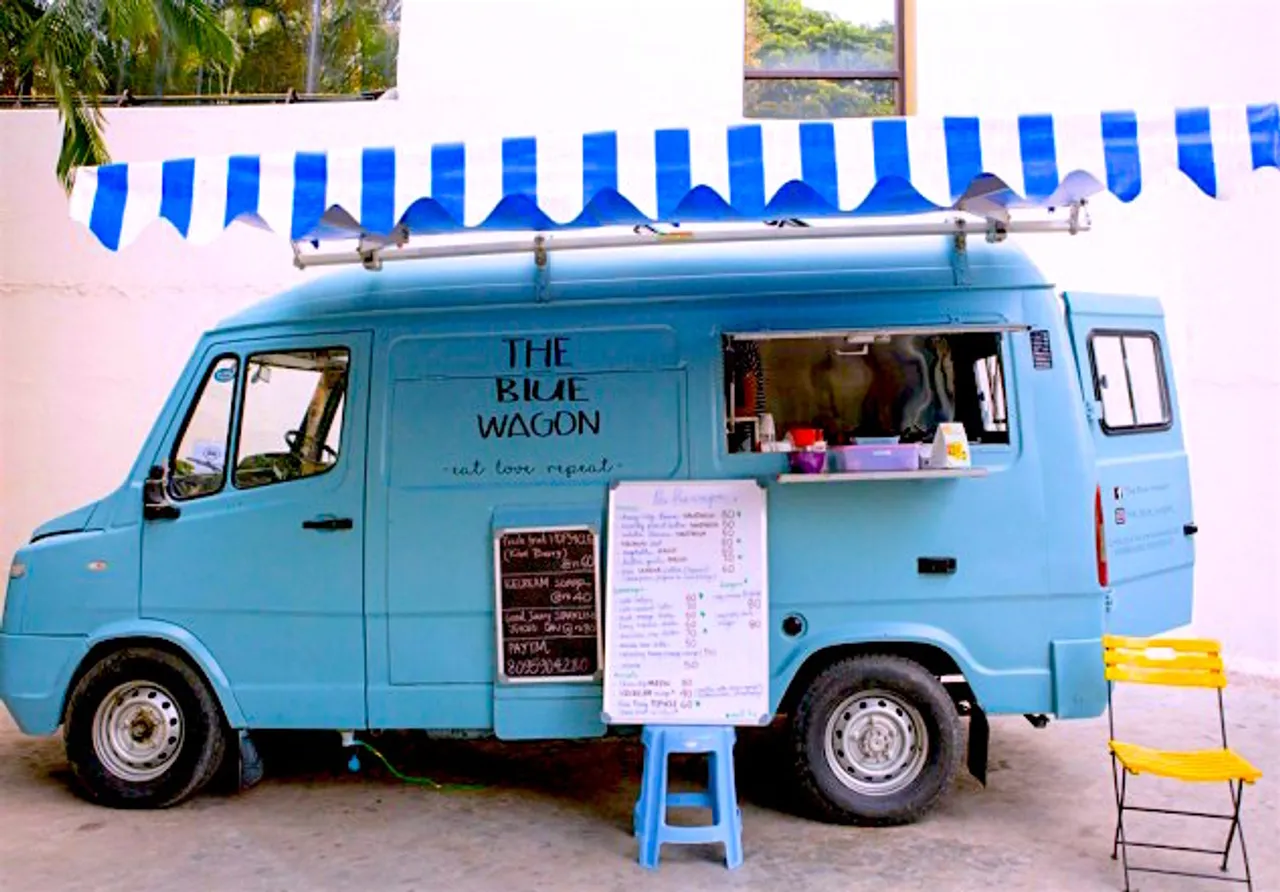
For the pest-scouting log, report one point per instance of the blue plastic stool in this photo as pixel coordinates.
(650, 817)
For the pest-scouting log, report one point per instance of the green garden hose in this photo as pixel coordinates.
(354, 764)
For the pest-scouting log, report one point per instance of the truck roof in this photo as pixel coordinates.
(669, 273)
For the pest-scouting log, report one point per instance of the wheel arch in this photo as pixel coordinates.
(940, 656)
(161, 636)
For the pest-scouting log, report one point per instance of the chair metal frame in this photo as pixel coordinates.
(1190, 673)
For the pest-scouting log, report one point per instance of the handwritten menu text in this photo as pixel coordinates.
(548, 620)
(686, 604)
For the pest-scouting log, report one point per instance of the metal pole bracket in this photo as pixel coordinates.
(541, 273)
(960, 254)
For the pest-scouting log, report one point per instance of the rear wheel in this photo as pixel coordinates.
(143, 730)
(876, 741)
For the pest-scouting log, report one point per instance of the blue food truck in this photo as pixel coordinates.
(306, 539)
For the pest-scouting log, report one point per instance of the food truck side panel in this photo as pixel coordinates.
(1034, 629)
(517, 420)
(481, 431)
(1144, 492)
(844, 557)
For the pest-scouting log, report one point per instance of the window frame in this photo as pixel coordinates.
(1004, 331)
(192, 406)
(1166, 400)
(1000, 394)
(902, 75)
(239, 427)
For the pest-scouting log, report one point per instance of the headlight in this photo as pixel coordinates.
(17, 569)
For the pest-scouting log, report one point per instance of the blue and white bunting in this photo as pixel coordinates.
(750, 171)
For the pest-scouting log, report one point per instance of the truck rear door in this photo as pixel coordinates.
(1143, 504)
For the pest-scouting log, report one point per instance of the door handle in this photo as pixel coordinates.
(328, 523)
(161, 511)
(942, 566)
(1190, 529)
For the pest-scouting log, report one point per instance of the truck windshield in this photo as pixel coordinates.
(291, 420)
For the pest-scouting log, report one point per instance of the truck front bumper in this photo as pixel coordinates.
(34, 673)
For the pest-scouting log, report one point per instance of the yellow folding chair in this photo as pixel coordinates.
(1182, 663)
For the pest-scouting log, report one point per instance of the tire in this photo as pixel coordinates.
(887, 704)
(143, 730)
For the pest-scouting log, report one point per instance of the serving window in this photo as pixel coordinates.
(866, 385)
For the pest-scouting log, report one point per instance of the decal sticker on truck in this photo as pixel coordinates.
(527, 357)
(1041, 349)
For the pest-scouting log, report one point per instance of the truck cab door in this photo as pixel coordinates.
(1144, 482)
(258, 551)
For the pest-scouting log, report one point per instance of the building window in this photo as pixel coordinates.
(1128, 379)
(826, 58)
(855, 386)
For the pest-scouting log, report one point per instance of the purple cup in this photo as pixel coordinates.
(808, 462)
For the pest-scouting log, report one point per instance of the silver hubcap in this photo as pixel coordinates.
(876, 743)
(137, 731)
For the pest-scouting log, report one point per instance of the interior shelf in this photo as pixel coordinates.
(851, 476)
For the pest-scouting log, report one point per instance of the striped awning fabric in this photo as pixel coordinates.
(750, 171)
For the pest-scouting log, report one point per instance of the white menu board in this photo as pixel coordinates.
(686, 604)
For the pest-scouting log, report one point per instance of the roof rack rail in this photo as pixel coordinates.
(372, 251)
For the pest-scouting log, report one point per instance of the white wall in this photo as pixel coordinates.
(1214, 264)
(613, 63)
(90, 341)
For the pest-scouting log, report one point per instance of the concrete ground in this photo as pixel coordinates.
(557, 816)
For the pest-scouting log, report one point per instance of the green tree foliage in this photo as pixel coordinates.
(77, 51)
(64, 48)
(819, 99)
(16, 18)
(786, 35)
(358, 44)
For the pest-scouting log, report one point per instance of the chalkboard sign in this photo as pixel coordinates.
(686, 604)
(548, 605)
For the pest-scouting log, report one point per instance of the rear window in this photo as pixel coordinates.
(1128, 379)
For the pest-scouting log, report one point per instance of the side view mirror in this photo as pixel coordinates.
(155, 500)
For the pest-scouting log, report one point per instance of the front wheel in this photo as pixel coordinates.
(876, 741)
(143, 730)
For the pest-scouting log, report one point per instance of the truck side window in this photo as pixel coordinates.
(198, 463)
(856, 385)
(291, 421)
(1128, 376)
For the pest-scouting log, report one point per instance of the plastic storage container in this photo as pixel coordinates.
(877, 457)
(808, 462)
(804, 437)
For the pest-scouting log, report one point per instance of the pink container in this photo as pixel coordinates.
(886, 457)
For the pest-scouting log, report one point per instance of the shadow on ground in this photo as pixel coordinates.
(556, 816)
(557, 770)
